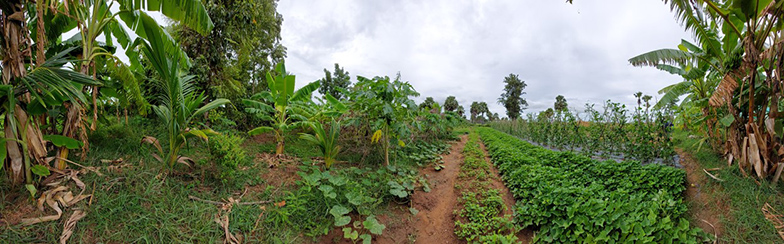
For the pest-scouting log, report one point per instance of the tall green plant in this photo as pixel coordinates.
(284, 100)
(387, 106)
(326, 140)
(179, 103)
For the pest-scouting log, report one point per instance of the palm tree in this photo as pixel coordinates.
(179, 102)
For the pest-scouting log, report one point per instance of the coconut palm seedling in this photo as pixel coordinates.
(285, 105)
(179, 102)
(326, 140)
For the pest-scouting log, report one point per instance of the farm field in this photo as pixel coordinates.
(266, 121)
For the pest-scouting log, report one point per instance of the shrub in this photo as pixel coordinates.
(226, 154)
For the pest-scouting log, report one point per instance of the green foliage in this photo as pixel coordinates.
(63, 141)
(428, 104)
(227, 154)
(573, 198)
(560, 103)
(450, 104)
(326, 140)
(512, 97)
(179, 103)
(233, 60)
(283, 103)
(610, 133)
(387, 106)
(335, 84)
(482, 216)
(327, 198)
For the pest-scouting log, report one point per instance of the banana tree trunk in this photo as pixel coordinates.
(72, 121)
(16, 50)
(279, 148)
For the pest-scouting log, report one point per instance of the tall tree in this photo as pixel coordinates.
(450, 104)
(512, 97)
(241, 53)
(475, 111)
(560, 104)
(461, 111)
(335, 83)
(427, 104)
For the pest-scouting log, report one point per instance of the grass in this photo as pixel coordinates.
(140, 204)
(744, 222)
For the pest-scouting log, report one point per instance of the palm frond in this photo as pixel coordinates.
(672, 92)
(189, 12)
(661, 56)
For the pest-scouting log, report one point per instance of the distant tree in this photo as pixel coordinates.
(461, 111)
(512, 97)
(560, 104)
(427, 104)
(494, 117)
(638, 95)
(333, 83)
(475, 111)
(451, 104)
(547, 114)
(483, 109)
(647, 100)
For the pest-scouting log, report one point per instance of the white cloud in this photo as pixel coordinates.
(466, 48)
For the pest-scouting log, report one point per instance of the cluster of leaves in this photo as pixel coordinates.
(643, 134)
(422, 153)
(573, 198)
(327, 199)
(483, 218)
(227, 154)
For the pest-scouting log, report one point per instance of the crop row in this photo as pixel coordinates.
(481, 218)
(639, 134)
(573, 198)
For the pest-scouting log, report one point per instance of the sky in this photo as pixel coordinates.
(465, 48)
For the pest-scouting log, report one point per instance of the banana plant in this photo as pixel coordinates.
(285, 104)
(179, 103)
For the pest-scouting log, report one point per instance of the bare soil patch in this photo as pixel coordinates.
(706, 209)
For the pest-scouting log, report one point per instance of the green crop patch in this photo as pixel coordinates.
(572, 198)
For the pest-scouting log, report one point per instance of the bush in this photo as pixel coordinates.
(227, 155)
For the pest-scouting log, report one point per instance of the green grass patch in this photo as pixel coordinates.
(744, 223)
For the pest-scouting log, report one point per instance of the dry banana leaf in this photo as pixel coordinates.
(775, 218)
(70, 225)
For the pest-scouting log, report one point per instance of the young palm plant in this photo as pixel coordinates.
(286, 104)
(326, 140)
(179, 103)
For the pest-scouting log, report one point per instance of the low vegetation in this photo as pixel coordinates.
(573, 198)
(482, 218)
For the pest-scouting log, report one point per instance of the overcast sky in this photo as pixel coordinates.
(466, 48)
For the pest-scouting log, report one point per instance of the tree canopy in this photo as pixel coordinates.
(512, 98)
(335, 83)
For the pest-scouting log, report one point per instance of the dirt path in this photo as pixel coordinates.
(435, 223)
(704, 207)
